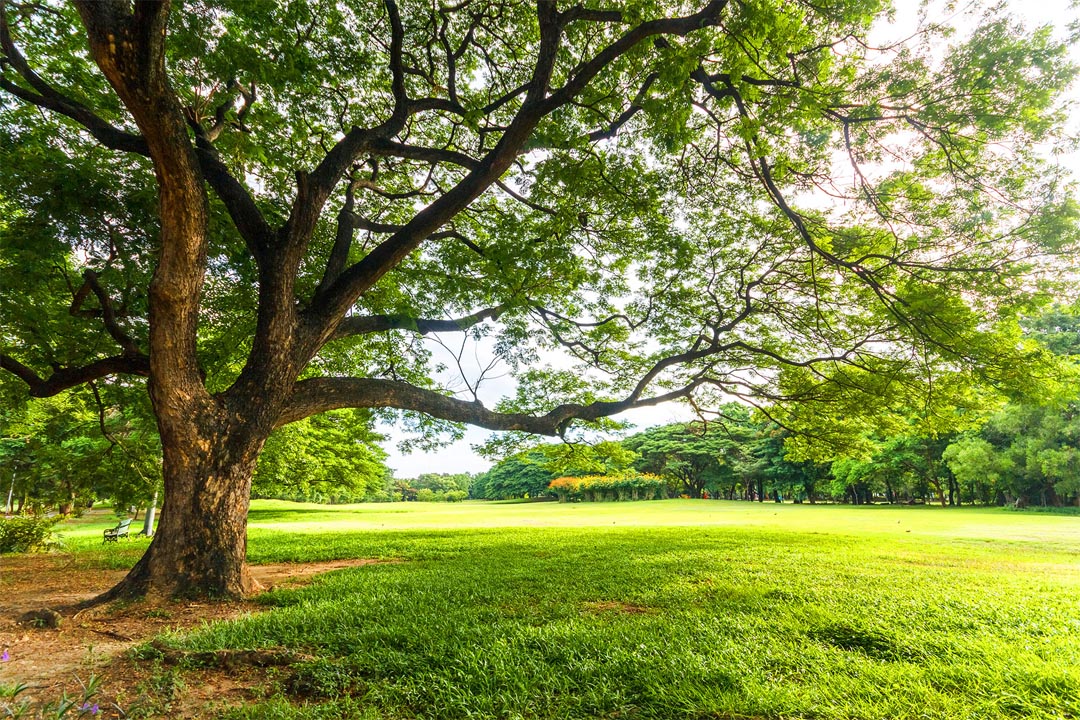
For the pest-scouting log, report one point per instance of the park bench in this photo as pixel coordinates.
(121, 530)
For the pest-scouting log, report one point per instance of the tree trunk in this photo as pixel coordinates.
(693, 487)
(200, 547)
(939, 491)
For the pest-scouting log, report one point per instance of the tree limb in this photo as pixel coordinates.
(238, 201)
(635, 107)
(65, 378)
(536, 104)
(386, 147)
(318, 395)
(108, 313)
(313, 189)
(47, 97)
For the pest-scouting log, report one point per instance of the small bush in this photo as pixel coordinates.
(26, 534)
(598, 488)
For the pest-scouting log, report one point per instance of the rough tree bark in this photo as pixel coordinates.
(200, 546)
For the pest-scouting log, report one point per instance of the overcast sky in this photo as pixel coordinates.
(460, 457)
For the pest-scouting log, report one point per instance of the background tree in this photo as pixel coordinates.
(261, 209)
(334, 457)
(66, 451)
(769, 463)
(443, 482)
(980, 469)
(1029, 451)
(694, 456)
(521, 475)
(602, 457)
(1026, 454)
(432, 487)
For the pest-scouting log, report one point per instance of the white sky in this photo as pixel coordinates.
(460, 457)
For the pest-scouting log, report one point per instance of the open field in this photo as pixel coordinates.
(674, 609)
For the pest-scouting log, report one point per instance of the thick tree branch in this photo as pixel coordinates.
(708, 15)
(313, 189)
(579, 12)
(128, 44)
(339, 253)
(423, 154)
(246, 216)
(321, 394)
(46, 96)
(329, 307)
(238, 201)
(624, 117)
(333, 304)
(65, 378)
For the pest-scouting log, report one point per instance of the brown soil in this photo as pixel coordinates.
(615, 606)
(94, 641)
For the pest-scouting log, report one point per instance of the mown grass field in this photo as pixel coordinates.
(674, 609)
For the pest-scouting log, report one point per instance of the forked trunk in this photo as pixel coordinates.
(200, 547)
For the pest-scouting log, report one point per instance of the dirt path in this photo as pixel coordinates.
(93, 642)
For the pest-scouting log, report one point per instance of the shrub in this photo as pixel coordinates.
(625, 486)
(26, 534)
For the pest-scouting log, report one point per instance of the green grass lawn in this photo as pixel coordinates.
(675, 609)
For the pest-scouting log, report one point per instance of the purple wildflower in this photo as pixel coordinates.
(92, 709)
(4, 656)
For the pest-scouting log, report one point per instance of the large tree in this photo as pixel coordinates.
(260, 207)
(695, 456)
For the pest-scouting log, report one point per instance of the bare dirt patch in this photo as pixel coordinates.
(94, 641)
(615, 606)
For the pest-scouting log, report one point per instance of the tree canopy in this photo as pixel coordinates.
(262, 209)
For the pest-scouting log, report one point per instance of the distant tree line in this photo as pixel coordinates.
(1024, 452)
(56, 458)
(1022, 456)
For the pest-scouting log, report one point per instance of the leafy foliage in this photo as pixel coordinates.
(26, 534)
(329, 458)
(63, 452)
(522, 475)
(696, 457)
